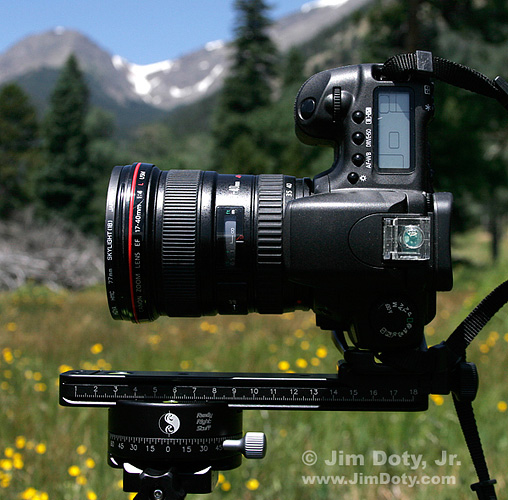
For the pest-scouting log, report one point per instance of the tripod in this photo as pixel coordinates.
(171, 432)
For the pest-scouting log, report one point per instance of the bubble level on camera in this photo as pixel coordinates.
(406, 238)
(247, 391)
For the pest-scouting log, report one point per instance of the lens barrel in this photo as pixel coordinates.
(192, 243)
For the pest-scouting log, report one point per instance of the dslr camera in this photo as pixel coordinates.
(365, 245)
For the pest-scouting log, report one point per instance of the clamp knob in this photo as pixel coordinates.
(252, 445)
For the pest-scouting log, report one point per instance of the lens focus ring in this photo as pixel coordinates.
(179, 242)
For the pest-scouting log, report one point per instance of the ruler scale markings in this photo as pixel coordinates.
(87, 388)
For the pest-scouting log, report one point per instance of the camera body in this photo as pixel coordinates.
(366, 244)
(373, 240)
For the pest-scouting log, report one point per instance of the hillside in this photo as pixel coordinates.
(141, 93)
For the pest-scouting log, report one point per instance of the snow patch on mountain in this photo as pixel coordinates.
(215, 45)
(138, 74)
(200, 87)
(319, 4)
(145, 79)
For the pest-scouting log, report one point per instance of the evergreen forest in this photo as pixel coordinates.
(58, 163)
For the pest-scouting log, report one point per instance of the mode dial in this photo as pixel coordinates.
(394, 319)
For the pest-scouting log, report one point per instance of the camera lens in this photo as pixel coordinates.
(193, 242)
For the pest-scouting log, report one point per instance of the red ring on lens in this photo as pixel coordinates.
(131, 218)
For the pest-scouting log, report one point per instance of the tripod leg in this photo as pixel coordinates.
(485, 487)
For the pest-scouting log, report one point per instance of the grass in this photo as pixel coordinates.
(50, 452)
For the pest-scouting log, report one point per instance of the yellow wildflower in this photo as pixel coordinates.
(252, 484)
(502, 406)
(322, 352)
(283, 365)
(301, 363)
(74, 471)
(438, 399)
(225, 486)
(40, 448)
(96, 348)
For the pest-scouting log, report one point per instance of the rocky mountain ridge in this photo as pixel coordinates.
(163, 85)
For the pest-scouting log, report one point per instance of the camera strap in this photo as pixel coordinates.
(423, 63)
(445, 358)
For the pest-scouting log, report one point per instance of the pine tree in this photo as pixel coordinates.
(254, 65)
(18, 134)
(293, 69)
(249, 85)
(66, 182)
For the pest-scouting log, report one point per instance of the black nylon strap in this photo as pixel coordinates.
(465, 333)
(403, 66)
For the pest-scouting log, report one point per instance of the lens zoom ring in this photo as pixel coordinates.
(269, 243)
(179, 242)
(270, 210)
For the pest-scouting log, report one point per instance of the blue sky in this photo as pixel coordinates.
(142, 31)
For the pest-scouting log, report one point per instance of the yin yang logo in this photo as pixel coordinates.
(169, 423)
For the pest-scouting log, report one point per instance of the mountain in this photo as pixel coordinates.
(146, 91)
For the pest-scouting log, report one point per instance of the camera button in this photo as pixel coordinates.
(358, 116)
(307, 108)
(358, 159)
(358, 138)
(353, 177)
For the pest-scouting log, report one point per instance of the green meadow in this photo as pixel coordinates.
(48, 452)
